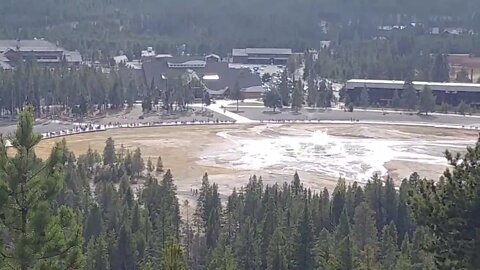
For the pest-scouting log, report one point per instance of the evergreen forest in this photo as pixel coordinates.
(69, 212)
(103, 28)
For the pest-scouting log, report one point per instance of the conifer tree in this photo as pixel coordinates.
(159, 165)
(325, 252)
(222, 258)
(304, 242)
(37, 232)
(343, 253)
(93, 224)
(389, 247)
(409, 99)
(364, 100)
(312, 91)
(364, 236)
(396, 101)
(236, 93)
(284, 89)
(138, 165)
(343, 227)
(297, 96)
(97, 254)
(455, 199)
(338, 201)
(109, 155)
(427, 101)
(403, 222)
(463, 108)
(404, 262)
(173, 258)
(277, 252)
(150, 167)
(272, 99)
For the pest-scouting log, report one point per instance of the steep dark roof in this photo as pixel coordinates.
(227, 77)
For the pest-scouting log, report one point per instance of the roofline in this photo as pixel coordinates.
(414, 82)
(397, 84)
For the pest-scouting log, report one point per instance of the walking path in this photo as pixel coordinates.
(220, 107)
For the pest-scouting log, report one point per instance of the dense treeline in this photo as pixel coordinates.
(83, 213)
(84, 91)
(403, 56)
(76, 90)
(104, 27)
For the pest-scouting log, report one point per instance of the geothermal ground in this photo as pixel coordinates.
(320, 153)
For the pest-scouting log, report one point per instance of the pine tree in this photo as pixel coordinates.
(396, 101)
(277, 254)
(389, 247)
(109, 155)
(297, 97)
(463, 77)
(463, 108)
(403, 222)
(343, 228)
(93, 224)
(304, 242)
(222, 258)
(440, 69)
(150, 167)
(343, 253)
(421, 244)
(159, 165)
(409, 97)
(455, 201)
(338, 201)
(390, 201)
(37, 233)
(117, 96)
(236, 93)
(138, 165)
(132, 92)
(247, 245)
(325, 252)
(312, 91)
(325, 95)
(364, 100)
(173, 258)
(284, 89)
(364, 236)
(404, 262)
(427, 101)
(272, 99)
(97, 254)
(214, 210)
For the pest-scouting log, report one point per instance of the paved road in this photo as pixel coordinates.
(259, 113)
(218, 108)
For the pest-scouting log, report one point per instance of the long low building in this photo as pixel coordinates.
(266, 56)
(41, 51)
(381, 92)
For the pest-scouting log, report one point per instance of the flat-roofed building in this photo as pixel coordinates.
(38, 50)
(381, 92)
(266, 56)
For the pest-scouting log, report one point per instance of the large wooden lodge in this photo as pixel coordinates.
(381, 92)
